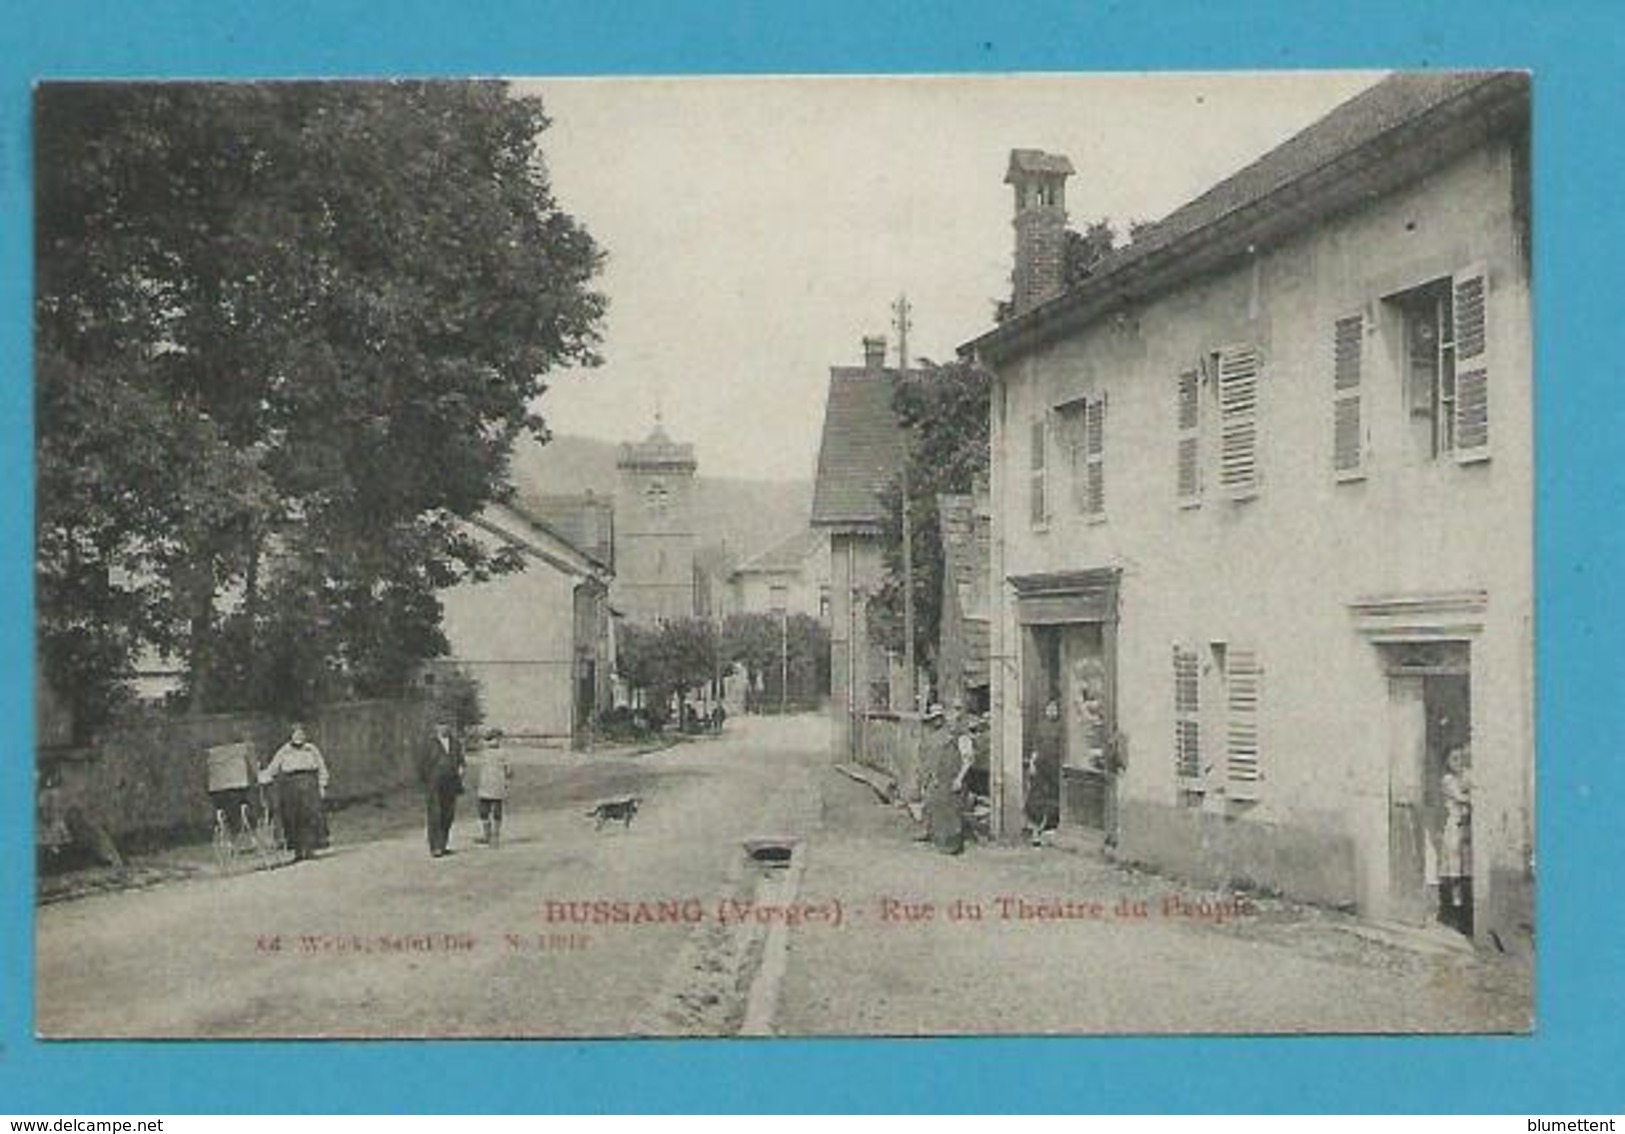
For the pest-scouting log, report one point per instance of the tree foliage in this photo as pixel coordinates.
(673, 657)
(793, 651)
(1083, 253)
(286, 336)
(944, 410)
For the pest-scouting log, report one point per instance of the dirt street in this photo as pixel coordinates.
(668, 928)
(379, 939)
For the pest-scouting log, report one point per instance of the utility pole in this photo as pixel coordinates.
(901, 309)
(784, 660)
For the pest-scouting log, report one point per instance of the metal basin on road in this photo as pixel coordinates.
(771, 853)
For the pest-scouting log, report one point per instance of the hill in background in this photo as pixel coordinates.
(747, 516)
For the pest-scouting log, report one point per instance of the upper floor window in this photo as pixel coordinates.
(1233, 375)
(657, 497)
(1038, 487)
(1188, 447)
(1444, 365)
(1238, 371)
(1348, 418)
(1083, 429)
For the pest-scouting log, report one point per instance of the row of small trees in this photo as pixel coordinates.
(681, 656)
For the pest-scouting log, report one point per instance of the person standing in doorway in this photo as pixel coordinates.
(1043, 805)
(440, 768)
(1456, 842)
(300, 775)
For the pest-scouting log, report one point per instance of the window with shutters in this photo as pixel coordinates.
(1083, 433)
(1187, 726)
(1446, 366)
(1038, 498)
(1188, 447)
(1238, 380)
(1348, 417)
(1470, 311)
(1243, 684)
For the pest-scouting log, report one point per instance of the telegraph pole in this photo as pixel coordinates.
(901, 309)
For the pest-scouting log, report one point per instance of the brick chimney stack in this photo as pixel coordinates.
(874, 353)
(1040, 223)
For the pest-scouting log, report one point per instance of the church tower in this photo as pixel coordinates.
(654, 529)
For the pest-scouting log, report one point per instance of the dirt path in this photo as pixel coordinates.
(378, 939)
(667, 928)
(1070, 943)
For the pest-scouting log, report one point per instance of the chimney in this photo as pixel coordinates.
(1040, 223)
(874, 353)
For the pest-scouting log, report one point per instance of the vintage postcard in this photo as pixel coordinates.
(785, 556)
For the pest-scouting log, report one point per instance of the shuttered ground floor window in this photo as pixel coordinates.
(1188, 726)
(1244, 687)
(1233, 718)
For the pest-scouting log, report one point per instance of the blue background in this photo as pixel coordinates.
(1575, 1062)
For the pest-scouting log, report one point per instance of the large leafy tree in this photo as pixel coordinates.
(286, 337)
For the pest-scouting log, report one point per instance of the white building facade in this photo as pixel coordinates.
(1263, 499)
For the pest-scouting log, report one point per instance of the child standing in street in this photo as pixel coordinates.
(494, 774)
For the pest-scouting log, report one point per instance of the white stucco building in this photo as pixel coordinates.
(1262, 498)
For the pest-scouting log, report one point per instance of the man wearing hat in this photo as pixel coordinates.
(440, 768)
(946, 761)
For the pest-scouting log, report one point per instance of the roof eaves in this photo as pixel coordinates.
(1134, 273)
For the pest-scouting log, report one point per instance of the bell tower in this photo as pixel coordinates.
(655, 534)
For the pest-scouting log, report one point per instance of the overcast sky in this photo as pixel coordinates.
(757, 229)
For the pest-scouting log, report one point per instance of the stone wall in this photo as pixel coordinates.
(145, 775)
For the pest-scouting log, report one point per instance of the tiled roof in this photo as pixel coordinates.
(1396, 107)
(787, 555)
(585, 521)
(861, 450)
(516, 524)
(1392, 102)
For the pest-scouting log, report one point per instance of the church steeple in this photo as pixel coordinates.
(655, 532)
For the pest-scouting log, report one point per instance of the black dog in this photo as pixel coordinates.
(611, 810)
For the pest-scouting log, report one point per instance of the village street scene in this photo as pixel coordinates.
(514, 560)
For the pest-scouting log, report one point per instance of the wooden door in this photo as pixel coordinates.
(1408, 899)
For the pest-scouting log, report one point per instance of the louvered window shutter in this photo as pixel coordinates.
(1038, 501)
(1470, 307)
(1243, 688)
(1189, 453)
(1187, 716)
(1094, 457)
(1238, 421)
(1069, 432)
(1348, 426)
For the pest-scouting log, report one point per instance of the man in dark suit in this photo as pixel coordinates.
(440, 768)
